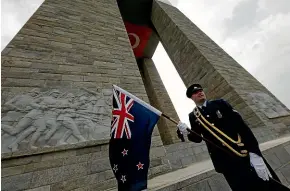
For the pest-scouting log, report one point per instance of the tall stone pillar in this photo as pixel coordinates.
(57, 76)
(198, 59)
(69, 52)
(160, 99)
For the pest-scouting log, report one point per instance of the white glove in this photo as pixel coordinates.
(260, 167)
(182, 128)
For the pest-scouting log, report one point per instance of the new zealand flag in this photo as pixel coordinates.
(132, 125)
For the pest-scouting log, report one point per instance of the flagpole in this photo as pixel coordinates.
(167, 117)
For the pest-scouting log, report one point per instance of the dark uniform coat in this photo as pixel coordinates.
(235, 168)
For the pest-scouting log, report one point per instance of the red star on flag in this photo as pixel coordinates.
(124, 152)
(140, 165)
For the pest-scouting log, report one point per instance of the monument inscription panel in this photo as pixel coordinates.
(40, 118)
(268, 105)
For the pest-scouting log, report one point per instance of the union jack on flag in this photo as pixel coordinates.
(121, 115)
(133, 121)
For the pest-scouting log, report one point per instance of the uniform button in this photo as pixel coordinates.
(207, 116)
(212, 123)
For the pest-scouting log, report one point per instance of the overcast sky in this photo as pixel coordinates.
(254, 32)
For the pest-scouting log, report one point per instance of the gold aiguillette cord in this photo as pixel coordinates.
(206, 140)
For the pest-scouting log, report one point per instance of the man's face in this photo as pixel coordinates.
(198, 96)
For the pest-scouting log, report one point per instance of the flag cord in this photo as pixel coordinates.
(208, 141)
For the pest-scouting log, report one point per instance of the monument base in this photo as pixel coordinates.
(85, 166)
(202, 176)
(80, 166)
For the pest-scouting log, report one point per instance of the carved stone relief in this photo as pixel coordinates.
(270, 107)
(51, 118)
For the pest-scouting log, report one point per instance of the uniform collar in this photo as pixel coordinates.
(203, 105)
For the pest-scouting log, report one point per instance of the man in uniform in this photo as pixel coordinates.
(249, 171)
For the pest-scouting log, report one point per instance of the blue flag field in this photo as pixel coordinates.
(133, 121)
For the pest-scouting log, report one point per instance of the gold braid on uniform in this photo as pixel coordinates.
(198, 115)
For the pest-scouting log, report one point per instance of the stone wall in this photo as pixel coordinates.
(182, 154)
(82, 166)
(59, 170)
(284, 119)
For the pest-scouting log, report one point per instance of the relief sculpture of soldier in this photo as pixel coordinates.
(86, 115)
(244, 167)
(52, 117)
(66, 119)
(105, 107)
(34, 121)
(20, 104)
(49, 105)
(93, 115)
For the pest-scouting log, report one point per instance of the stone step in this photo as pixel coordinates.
(182, 177)
(202, 176)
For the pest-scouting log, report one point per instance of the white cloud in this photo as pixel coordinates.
(264, 50)
(14, 14)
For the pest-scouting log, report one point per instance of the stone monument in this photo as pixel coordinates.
(57, 76)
